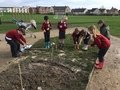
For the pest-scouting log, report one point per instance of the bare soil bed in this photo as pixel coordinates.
(38, 70)
(66, 69)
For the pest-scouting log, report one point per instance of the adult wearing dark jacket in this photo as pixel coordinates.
(14, 38)
(104, 29)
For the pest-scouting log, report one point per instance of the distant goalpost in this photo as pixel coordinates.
(58, 16)
(1, 14)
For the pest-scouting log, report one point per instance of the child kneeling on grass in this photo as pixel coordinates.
(76, 36)
(86, 37)
(102, 43)
(79, 36)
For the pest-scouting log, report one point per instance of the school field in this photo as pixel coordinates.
(53, 69)
(74, 21)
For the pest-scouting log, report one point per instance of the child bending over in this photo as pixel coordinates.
(102, 43)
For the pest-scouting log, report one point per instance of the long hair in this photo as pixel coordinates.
(94, 30)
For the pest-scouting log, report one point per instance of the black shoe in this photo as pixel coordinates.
(18, 55)
(14, 56)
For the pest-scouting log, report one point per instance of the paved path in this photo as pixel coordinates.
(109, 77)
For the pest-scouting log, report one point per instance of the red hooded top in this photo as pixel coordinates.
(14, 35)
(46, 26)
(76, 35)
(101, 41)
(62, 26)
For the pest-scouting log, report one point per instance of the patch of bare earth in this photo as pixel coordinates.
(44, 74)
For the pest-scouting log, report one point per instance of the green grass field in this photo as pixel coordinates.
(74, 21)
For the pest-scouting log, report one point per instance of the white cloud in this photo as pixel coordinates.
(74, 0)
(71, 3)
(1, 1)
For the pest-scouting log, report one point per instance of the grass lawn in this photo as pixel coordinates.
(74, 21)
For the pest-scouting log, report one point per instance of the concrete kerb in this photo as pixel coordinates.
(90, 78)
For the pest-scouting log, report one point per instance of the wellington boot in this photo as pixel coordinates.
(99, 66)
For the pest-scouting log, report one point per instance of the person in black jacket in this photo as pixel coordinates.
(85, 35)
(104, 29)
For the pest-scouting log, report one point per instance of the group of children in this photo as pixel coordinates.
(79, 36)
(100, 37)
(46, 27)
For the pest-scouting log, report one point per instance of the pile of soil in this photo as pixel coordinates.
(45, 74)
(39, 71)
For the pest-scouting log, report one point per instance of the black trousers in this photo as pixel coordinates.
(86, 39)
(102, 53)
(14, 46)
(47, 36)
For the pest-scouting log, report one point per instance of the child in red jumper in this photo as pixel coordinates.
(46, 27)
(76, 36)
(102, 43)
(62, 26)
(14, 38)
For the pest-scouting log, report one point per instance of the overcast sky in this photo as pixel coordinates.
(72, 3)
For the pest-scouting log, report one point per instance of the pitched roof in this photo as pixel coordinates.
(59, 7)
(93, 9)
(42, 7)
(102, 10)
(6, 7)
(113, 9)
(79, 10)
(88, 11)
